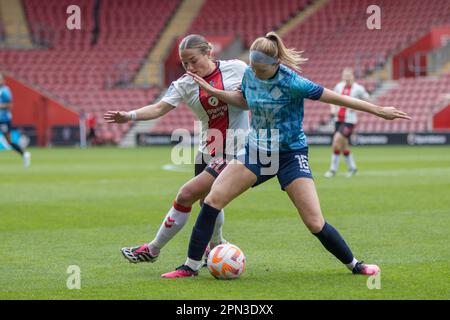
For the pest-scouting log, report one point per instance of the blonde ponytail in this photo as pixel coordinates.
(273, 46)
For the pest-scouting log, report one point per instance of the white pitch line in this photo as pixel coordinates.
(176, 168)
(407, 172)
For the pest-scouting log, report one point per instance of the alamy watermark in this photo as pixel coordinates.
(73, 21)
(374, 282)
(374, 20)
(74, 279)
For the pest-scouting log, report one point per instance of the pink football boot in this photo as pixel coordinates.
(180, 272)
(366, 269)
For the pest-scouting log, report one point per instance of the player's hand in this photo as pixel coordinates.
(116, 116)
(391, 113)
(202, 83)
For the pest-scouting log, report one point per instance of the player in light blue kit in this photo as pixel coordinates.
(5, 121)
(274, 93)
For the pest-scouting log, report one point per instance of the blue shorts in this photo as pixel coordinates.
(5, 127)
(287, 166)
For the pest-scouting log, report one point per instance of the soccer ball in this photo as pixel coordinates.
(226, 261)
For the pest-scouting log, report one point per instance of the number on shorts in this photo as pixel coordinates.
(302, 161)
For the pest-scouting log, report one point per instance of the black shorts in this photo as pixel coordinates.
(91, 133)
(346, 129)
(5, 127)
(214, 167)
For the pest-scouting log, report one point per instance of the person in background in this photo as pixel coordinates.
(6, 120)
(345, 120)
(91, 124)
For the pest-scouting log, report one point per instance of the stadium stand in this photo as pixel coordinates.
(182, 118)
(178, 25)
(247, 20)
(14, 24)
(336, 36)
(80, 70)
(417, 96)
(332, 38)
(91, 68)
(2, 34)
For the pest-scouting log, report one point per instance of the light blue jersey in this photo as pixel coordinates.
(5, 97)
(276, 107)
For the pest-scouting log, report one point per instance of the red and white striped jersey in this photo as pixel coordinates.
(356, 91)
(213, 113)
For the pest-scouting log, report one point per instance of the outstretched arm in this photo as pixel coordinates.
(149, 112)
(234, 98)
(388, 113)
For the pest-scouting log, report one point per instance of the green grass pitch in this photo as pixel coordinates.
(79, 207)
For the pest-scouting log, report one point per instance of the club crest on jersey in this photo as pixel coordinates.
(213, 101)
(212, 83)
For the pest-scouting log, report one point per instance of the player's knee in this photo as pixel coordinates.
(185, 197)
(315, 225)
(215, 200)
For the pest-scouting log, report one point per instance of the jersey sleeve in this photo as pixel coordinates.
(235, 71)
(241, 67)
(363, 94)
(244, 82)
(6, 96)
(304, 88)
(336, 88)
(173, 95)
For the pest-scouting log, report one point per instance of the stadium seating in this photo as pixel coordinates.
(180, 118)
(90, 68)
(246, 19)
(80, 72)
(336, 36)
(417, 96)
(2, 33)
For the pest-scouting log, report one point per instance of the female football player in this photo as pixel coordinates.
(6, 119)
(344, 123)
(275, 93)
(216, 117)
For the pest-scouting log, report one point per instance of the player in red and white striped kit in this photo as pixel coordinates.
(345, 121)
(217, 118)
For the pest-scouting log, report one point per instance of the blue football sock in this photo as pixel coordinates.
(17, 148)
(202, 232)
(334, 243)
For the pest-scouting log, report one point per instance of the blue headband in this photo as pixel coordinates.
(260, 57)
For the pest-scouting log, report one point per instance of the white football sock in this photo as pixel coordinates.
(334, 162)
(217, 238)
(194, 265)
(172, 224)
(352, 264)
(350, 162)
